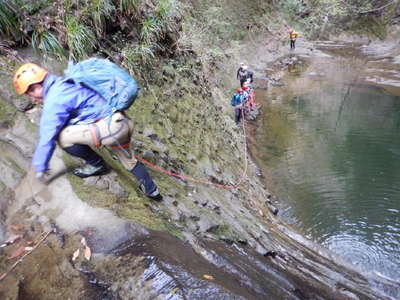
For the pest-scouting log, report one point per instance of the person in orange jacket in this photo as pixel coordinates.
(292, 36)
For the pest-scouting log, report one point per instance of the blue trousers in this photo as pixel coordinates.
(238, 115)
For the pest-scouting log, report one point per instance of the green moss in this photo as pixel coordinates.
(14, 165)
(31, 127)
(92, 195)
(135, 207)
(7, 110)
(7, 113)
(138, 210)
(2, 187)
(225, 232)
(369, 25)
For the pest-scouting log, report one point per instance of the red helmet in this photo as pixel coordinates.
(239, 90)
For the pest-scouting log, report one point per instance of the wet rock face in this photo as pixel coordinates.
(6, 197)
(108, 183)
(23, 104)
(161, 266)
(14, 160)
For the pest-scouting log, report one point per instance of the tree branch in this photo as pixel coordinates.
(4, 275)
(376, 9)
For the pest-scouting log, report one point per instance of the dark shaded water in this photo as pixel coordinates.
(330, 145)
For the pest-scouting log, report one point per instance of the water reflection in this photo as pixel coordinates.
(292, 68)
(331, 150)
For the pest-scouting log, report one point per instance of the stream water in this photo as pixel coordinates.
(329, 145)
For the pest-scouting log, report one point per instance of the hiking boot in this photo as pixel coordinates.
(155, 195)
(146, 183)
(89, 170)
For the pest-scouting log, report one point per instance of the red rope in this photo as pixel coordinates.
(173, 174)
(225, 186)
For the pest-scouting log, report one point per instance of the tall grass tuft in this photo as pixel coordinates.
(168, 8)
(100, 11)
(151, 30)
(165, 18)
(168, 12)
(9, 25)
(47, 43)
(80, 39)
(135, 58)
(129, 6)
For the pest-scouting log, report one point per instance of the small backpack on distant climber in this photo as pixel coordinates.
(107, 79)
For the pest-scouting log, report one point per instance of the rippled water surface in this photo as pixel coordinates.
(329, 144)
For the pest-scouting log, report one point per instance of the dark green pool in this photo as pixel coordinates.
(329, 144)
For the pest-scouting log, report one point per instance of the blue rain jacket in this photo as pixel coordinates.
(65, 103)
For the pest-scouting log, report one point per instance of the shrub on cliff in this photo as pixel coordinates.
(315, 16)
(82, 26)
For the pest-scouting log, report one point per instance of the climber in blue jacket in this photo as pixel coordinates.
(237, 102)
(79, 118)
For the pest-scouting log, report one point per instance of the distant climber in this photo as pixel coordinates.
(237, 102)
(79, 119)
(248, 95)
(292, 36)
(244, 74)
(240, 69)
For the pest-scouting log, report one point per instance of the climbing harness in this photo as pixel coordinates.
(97, 138)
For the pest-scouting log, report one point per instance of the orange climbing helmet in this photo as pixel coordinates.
(27, 75)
